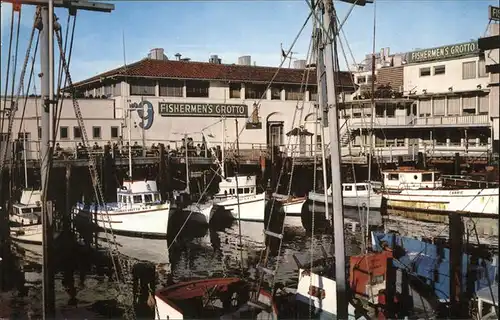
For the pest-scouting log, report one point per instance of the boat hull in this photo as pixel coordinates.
(374, 201)
(250, 208)
(27, 234)
(293, 208)
(152, 222)
(479, 202)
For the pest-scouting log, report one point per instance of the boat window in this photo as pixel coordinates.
(247, 190)
(37, 210)
(427, 177)
(137, 199)
(157, 197)
(129, 200)
(148, 198)
(231, 191)
(26, 210)
(240, 190)
(361, 188)
(347, 188)
(437, 176)
(394, 176)
(252, 190)
(415, 177)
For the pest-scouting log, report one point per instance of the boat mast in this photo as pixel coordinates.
(223, 153)
(25, 160)
(129, 143)
(186, 154)
(320, 111)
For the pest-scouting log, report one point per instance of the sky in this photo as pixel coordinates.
(198, 29)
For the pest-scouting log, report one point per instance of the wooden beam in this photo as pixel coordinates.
(493, 68)
(70, 4)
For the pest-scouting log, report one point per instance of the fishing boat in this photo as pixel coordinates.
(26, 218)
(355, 195)
(420, 195)
(223, 298)
(139, 211)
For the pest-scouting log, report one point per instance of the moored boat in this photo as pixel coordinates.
(26, 218)
(139, 211)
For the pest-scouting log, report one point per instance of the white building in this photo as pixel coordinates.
(185, 97)
(436, 102)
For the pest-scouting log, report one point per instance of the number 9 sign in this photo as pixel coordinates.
(147, 116)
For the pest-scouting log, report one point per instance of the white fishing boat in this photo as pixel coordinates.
(292, 206)
(239, 195)
(26, 218)
(355, 195)
(139, 211)
(422, 191)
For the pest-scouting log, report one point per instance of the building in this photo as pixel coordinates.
(167, 99)
(492, 58)
(435, 101)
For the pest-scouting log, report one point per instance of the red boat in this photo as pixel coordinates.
(210, 298)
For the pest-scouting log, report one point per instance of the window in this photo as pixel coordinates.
(247, 190)
(77, 134)
(360, 188)
(235, 90)
(171, 88)
(484, 104)
(275, 93)
(96, 132)
(63, 132)
(313, 93)
(439, 70)
(137, 199)
(114, 132)
(394, 176)
(157, 197)
(240, 190)
(424, 72)
(294, 93)
(361, 79)
(255, 91)
(427, 177)
(142, 87)
(197, 89)
(439, 106)
(129, 200)
(481, 69)
(347, 188)
(117, 89)
(453, 106)
(425, 107)
(39, 132)
(469, 70)
(469, 105)
(148, 198)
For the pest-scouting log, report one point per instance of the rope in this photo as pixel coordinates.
(7, 74)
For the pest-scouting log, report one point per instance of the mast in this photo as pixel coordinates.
(322, 103)
(187, 164)
(223, 155)
(25, 161)
(129, 143)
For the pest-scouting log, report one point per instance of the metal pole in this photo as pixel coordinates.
(130, 143)
(25, 160)
(329, 19)
(223, 155)
(187, 163)
(320, 112)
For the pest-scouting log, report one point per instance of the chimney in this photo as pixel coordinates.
(215, 59)
(299, 64)
(245, 60)
(157, 54)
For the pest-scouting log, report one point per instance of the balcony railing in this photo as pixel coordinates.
(412, 121)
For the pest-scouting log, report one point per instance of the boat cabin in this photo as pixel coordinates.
(29, 209)
(245, 186)
(411, 178)
(356, 189)
(138, 194)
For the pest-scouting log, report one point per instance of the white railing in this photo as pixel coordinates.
(417, 121)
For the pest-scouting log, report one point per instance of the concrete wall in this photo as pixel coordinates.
(440, 83)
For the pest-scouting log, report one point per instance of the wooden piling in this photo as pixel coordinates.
(48, 271)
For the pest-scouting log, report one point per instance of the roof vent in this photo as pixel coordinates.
(245, 61)
(215, 59)
(157, 54)
(178, 56)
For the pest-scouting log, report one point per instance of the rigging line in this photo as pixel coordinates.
(190, 213)
(29, 82)
(15, 61)
(65, 76)
(279, 67)
(347, 15)
(58, 106)
(7, 74)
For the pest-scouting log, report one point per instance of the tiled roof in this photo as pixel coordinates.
(174, 69)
